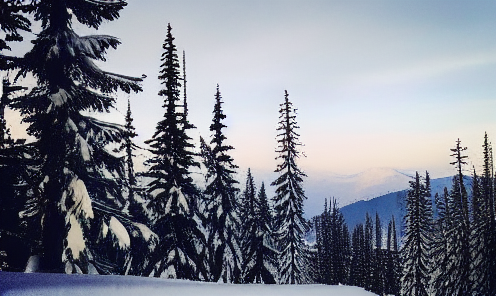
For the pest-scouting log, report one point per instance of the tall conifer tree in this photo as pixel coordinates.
(458, 269)
(14, 169)
(393, 272)
(488, 219)
(224, 251)
(417, 242)
(81, 191)
(260, 257)
(290, 224)
(357, 270)
(440, 246)
(172, 190)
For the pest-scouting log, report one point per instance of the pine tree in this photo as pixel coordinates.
(81, 198)
(224, 252)
(290, 225)
(172, 190)
(417, 242)
(458, 254)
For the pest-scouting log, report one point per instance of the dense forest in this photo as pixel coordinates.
(71, 200)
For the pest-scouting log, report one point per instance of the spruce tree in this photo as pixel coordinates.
(15, 172)
(323, 245)
(488, 220)
(339, 243)
(368, 253)
(357, 270)
(290, 224)
(439, 248)
(172, 191)
(18, 167)
(80, 198)
(393, 272)
(417, 242)
(260, 257)
(247, 215)
(224, 252)
(134, 206)
(478, 240)
(458, 254)
(378, 262)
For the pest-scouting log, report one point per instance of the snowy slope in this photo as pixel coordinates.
(61, 284)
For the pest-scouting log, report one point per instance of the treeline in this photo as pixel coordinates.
(450, 249)
(359, 258)
(72, 202)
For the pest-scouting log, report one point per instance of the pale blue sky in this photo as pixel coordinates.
(377, 83)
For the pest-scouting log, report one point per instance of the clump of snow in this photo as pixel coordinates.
(76, 200)
(75, 239)
(59, 98)
(181, 200)
(33, 264)
(120, 233)
(85, 151)
(149, 236)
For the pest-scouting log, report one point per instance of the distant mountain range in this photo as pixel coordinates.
(392, 204)
(347, 189)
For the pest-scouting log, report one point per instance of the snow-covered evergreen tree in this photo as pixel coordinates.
(322, 237)
(247, 215)
(417, 240)
(80, 198)
(487, 225)
(439, 247)
(172, 192)
(290, 225)
(378, 261)
(368, 253)
(18, 167)
(224, 251)
(260, 256)
(393, 272)
(458, 252)
(357, 269)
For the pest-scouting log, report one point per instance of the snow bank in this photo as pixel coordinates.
(17, 284)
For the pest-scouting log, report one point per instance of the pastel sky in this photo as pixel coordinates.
(376, 83)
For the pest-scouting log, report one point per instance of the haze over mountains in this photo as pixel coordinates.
(347, 189)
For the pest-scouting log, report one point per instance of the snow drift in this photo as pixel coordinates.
(17, 284)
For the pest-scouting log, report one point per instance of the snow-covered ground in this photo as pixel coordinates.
(94, 285)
